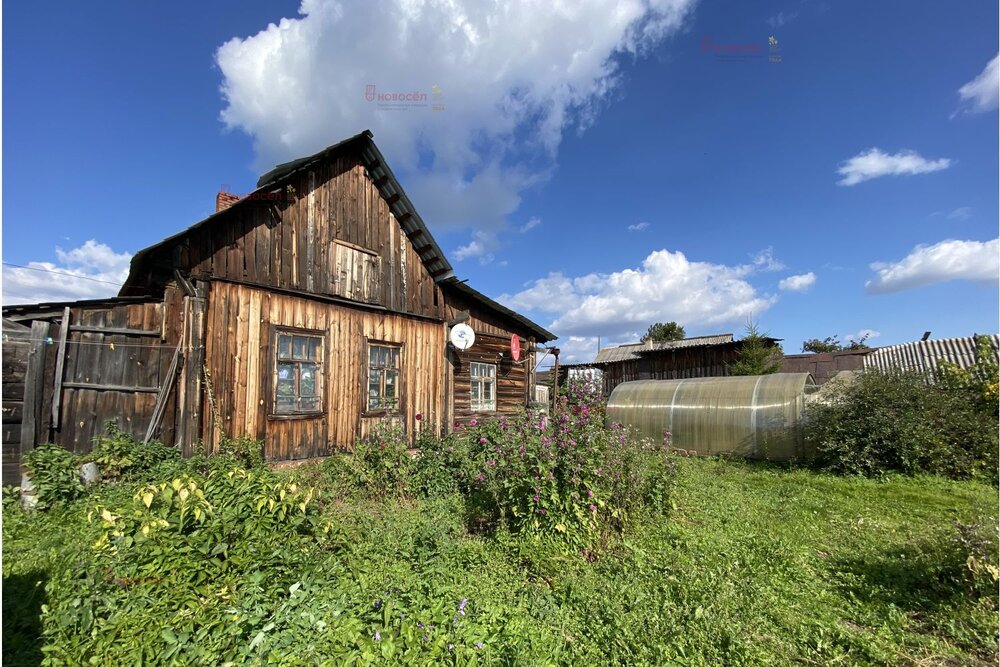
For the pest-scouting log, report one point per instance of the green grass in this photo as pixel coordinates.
(754, 565)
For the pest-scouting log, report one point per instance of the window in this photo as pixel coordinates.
(383, 378)
(298, 379)
(484, 380)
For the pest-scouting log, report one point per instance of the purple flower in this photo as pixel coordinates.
(593, 507)
(418, 416)
(590, 494)
(535, 499)
(483, 441)
(377, 604)
(479, 644)
(480, 478)
(491, 463)
(541, 510)
(461, 606)
(378, 636)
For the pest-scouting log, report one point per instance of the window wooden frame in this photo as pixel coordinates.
(486, 378)
(383, 370)
(314, 354)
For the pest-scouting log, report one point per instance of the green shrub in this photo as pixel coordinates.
(563, 475)
(55, 473)
(382, 462)
(898, 422)
(120, 456)
(246, 451)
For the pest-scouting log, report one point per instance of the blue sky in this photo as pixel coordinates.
(598, 167)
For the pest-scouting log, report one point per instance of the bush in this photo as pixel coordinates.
(562, 475)
(120, 456)
(55, 473)
(898, 422)
(382, 462)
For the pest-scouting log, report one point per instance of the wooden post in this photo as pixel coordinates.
(57, 386)
(555, 380)
(189, 403)
(34, 383)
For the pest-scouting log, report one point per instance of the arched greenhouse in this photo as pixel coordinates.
(757, 416)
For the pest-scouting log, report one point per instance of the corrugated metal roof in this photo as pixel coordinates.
(634, 350)
(925, 355)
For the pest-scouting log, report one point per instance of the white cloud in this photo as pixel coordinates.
(874, 163)
(530, 224)
(981, 93)
(799, 283)
(90, 271)
(960, 213)
(639, 227)
(862, 335)
(781, 19)
(480, 247)
(513, 77)
(766, 261)
(667, 286)
(948, 260)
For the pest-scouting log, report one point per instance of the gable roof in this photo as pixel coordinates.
(392, 192)
(460, 287)
(382, 177)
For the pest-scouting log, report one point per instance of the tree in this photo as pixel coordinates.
(831, 344)
(828, 344)
(662, 331)
(758, 355)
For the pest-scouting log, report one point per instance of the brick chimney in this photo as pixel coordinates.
(224, 200)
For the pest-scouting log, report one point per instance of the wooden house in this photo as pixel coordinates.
(300, 315)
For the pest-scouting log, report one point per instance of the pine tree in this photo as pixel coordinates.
(757, 356)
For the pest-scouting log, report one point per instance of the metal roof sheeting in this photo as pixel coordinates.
(924, 355)
(633, 350)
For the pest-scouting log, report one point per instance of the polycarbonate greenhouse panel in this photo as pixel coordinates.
(755, 416)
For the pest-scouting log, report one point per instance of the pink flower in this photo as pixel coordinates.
(483, 441)
(593, 507)
(472, 422)
(458, 424)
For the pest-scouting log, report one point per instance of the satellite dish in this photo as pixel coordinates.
(462, 336)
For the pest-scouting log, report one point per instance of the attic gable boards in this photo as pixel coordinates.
(326, 230)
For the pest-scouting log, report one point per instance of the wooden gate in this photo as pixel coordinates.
(64, 377)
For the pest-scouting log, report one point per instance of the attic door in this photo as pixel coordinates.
(355, 272)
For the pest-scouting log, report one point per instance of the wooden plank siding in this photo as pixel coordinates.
(241, 321)
(337, 238)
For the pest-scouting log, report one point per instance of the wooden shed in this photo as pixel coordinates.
(694, 357)
(299, 314)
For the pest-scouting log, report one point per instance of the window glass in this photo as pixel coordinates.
(482, 379)
(383, 377)
(298, 367)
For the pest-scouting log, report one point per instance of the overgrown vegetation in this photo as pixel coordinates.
(639, 557)
(906, 422)
(833, 344)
